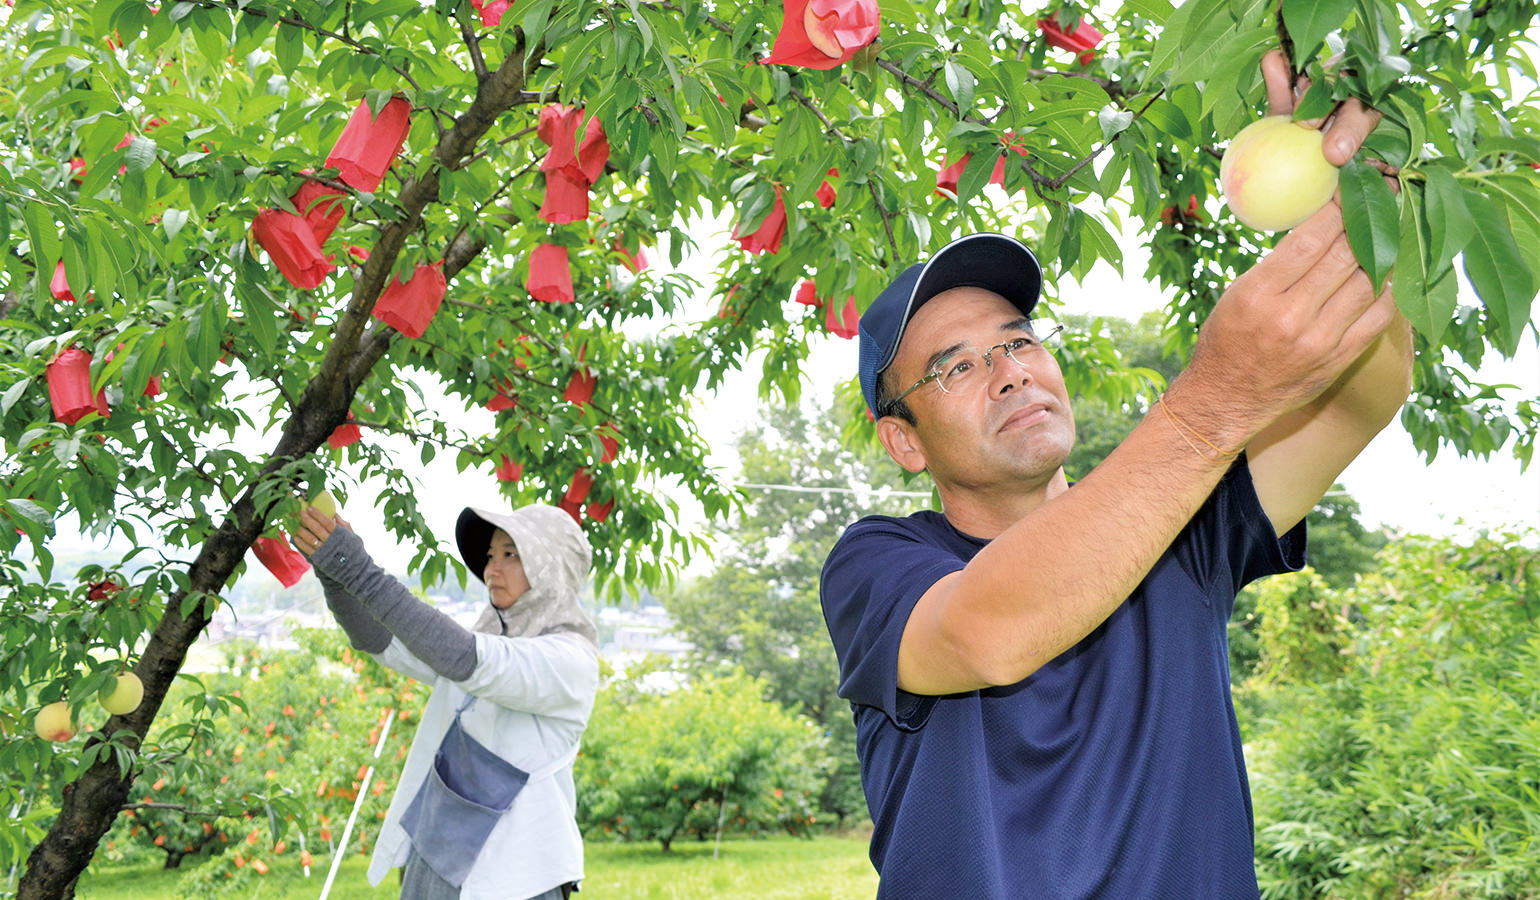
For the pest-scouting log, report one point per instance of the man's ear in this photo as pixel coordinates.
(902, 443)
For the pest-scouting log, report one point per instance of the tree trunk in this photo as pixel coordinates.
(91, 802)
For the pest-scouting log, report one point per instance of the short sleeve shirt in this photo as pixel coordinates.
(1114, 771)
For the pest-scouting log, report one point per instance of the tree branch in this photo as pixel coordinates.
(1061, 180)
(478, 64)
(923, 87)
(500, 142)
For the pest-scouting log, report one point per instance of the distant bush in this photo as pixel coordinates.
(711, 754)
(1398, 749)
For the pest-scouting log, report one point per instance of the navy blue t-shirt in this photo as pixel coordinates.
(1114, 771)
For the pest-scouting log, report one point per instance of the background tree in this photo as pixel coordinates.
(1397, 725)
(146, 142)
(759, 608)
(708, 756)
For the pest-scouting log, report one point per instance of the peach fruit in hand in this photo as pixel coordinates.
(123, 695)
(325, 504)
(1274, 175)
(53, 722)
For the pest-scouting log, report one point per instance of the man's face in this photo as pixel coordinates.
(1012, 424)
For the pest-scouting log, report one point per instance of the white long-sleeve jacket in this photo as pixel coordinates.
(534, 696)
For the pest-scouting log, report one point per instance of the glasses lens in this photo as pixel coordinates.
(960, 370)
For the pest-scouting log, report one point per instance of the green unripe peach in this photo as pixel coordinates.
(123, 695)
(325, 504)
(53, 722)
(1274, 175)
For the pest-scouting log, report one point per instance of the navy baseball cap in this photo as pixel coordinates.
(995, 262)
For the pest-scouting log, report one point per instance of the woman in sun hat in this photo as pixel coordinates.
(485, 807)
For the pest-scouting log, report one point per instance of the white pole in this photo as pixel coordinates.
(363, 791)
(721, 819)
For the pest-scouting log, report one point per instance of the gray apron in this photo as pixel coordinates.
(467, 790)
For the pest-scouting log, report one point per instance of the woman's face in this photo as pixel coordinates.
(504, 574)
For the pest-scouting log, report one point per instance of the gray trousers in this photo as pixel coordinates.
(420, 882)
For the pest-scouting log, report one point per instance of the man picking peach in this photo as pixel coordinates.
(1039, 673)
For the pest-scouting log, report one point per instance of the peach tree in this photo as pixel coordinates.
(310, 219)
(712, 756)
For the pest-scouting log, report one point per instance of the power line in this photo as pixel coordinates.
(806, 489)
(885, 492)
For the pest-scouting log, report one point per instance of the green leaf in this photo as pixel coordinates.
(965, 127)
(12, 394)
(171, 221)
(1154, 10)
(211, 32)
(1111, 180)
(1309, 21)
(1146, 180)
(720, 122)
(288, 48)
(756, 204)
(80, 277)
(1498, 273)
(260, 315)
(1449, 223)
(961, 83)
(140, 154)
(1098, 244)
(1168, 119)
(976, 174)
(1201, 49)
(1318, 101)
(1068, 220)
(113, 257)
(1372, 221)
(1406, 107)
(146, 364)
(1113, 121)
(809, 176)
(128, 343)
(43, 235)
(1410, 284)
(1520, 196)
(205, 335)
(1169, 45)
(536, 19)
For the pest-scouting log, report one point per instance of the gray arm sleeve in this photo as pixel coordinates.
(433, 637)
(364, 631)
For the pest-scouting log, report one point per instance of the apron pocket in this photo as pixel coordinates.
(466, 792)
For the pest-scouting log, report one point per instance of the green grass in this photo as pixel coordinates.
(782, 868)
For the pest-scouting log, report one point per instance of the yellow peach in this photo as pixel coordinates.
(53, 722)
(123, 695)
(1274, 175)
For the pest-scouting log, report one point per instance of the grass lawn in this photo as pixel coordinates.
(782, 868)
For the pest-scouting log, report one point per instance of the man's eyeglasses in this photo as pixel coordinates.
(968, 369)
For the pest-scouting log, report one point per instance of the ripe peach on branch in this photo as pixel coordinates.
(1274, 174)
